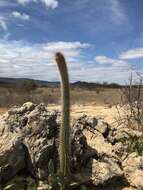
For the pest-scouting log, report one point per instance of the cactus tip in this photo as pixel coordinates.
(59, 57)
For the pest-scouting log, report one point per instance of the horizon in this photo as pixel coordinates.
(101, 40)
(104, 83)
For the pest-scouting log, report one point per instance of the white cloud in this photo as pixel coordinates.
(21, 59)
(100, 74)
(21, 16)
(69, 48)
(3, 24)
(38, 52)
(110, 61)
(132, 54)
(48, 3)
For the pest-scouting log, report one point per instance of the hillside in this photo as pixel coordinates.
(18, 82)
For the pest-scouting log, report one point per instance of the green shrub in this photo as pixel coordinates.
(136, 145)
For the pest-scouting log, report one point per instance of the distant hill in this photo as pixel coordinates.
(17, 82)
(91, 85)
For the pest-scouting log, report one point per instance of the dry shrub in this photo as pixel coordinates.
(131, 105)
(51, 95)
(11, 96)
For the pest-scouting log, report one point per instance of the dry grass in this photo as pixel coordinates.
(101, 96)
(99, 102)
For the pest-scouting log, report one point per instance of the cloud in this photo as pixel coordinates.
(22, 59)
(102, 74)
(69, 48)
(117, 12)
(3, 24)
(132, 54)
(48, 3)
(21, 16)
(110, 61)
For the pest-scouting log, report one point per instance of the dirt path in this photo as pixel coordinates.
(105, 112)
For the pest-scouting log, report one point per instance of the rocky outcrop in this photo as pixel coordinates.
(12, 157)
(29, 140)
(110, 157)
(104, 171)
(133, 170)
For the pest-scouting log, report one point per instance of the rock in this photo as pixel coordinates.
(31, 132)
(121, 138)
(133, 170)
(129, 188)
(35, 130)
(103, 128)
(94, 135)
(12, 157)
(92, 124)
(85, 122)
(103, 172)
(110, 144)
(99, 143)
(81, 152)
(29, 140)
(103, 163)
(120, 151)
(121, 134)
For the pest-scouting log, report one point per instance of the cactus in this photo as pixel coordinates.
(64, 142)
(62, 180)
(58, 182)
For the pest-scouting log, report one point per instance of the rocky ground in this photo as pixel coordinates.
(99, 151)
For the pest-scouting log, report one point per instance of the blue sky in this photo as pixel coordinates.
(101, 39)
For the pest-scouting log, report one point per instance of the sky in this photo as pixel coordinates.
(102, 40)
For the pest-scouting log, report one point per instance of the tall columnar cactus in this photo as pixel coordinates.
(64, 144)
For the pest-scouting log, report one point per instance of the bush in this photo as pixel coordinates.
(28, 85)
(132, 105)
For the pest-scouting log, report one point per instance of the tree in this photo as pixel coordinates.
(28, 85)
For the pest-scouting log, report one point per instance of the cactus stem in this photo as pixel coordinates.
(64, 142)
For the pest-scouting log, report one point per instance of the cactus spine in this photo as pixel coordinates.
(64, 143)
